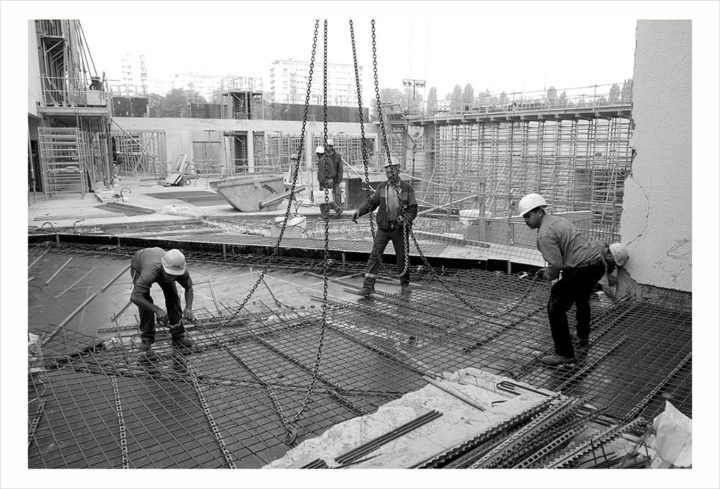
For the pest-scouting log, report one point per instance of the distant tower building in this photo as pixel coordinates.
(134, 80)
(288, 83)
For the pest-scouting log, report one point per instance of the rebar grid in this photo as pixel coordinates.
(228, 403)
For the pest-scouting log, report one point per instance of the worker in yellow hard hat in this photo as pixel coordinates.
(578, 265)
(156, 266)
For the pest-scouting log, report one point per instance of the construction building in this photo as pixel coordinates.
(291, 369)
(288, 83)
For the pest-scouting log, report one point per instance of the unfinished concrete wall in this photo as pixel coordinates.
(34, 87)
(656, 219)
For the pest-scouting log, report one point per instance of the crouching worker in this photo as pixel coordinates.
(613, 256)
(155, 266)
(392, 217)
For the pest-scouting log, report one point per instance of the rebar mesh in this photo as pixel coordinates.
(95, 402)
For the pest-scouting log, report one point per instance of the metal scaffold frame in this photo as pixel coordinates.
(578, 165)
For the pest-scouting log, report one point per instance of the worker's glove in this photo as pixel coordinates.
(162, 317)
(188, 314)
(401, 219)
(543, 274)
(355, 215)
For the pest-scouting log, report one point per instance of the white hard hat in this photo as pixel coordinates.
(530, 202)
(393, 162)
(619, 253)
(320, 150)
(173, 262)
(330, 142)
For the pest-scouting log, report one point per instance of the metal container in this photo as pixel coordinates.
(249, 193)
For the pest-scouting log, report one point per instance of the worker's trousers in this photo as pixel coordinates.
(382, 238)
(334, 197)
(574, 287)
(172, 306)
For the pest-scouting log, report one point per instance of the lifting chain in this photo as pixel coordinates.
(407, 228)
(406, 224)
(206, 410)
(276, 248)
(323, 327)
(121, 423)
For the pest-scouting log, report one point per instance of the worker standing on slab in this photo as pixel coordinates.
(572, 258)
(333, 173)
(392, 216)
(613, 256)
(155, 266)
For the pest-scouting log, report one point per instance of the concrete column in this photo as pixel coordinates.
(251, 151)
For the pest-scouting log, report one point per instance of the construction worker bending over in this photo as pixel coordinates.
(392, 216)
(570, 256)
(155, 266)
(614, 255)
(330, 173)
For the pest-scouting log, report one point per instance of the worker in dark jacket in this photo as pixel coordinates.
(392, 217)
(155, 266)
(330, 172)
(571, 257)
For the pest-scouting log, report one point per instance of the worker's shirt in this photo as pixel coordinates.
(329, 167)
(563, 246)
(380, 200)
(146, 269)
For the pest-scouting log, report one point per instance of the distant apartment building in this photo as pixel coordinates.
(289, 78)
(208, 85)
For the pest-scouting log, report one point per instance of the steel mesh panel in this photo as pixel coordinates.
(230, 402)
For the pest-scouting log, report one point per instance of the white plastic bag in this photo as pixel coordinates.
(673, 436)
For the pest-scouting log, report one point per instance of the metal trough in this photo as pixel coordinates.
(250, 193)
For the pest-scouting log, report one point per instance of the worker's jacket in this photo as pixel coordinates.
(379, 200)
(330, 167)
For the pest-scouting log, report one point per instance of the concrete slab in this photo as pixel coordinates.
(459, 422)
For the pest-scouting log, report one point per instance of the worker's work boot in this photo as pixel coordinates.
(367, 291)
(405, 289)
(146, 352)
(556, 359)
(582, 343)
(180, 340)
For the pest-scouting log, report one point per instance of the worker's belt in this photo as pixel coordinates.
(588, 265)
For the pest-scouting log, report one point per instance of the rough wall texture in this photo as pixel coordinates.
(657, 211)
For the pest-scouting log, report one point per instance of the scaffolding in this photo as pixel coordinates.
(577, 164)
(139, 154)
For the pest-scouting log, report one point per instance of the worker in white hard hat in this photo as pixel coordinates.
(613, 256)
(572, 258)
(329, 175)
(393, 215)
(156, 266)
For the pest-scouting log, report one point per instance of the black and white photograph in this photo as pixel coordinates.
(294, 237)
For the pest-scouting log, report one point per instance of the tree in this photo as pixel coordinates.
(175, 103)
(626, 94)
(432, 102)
(393, 96)
(503, 98)
(551, 96)
(468, 97)
(484, 98)
(614, 93)
(456, 98)
(562, 100)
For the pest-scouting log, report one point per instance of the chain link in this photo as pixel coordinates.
(121, 422)
(323, 327)
(276, 248)
(206, 410)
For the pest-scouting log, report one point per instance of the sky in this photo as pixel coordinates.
(515, 47)
(511, 46)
